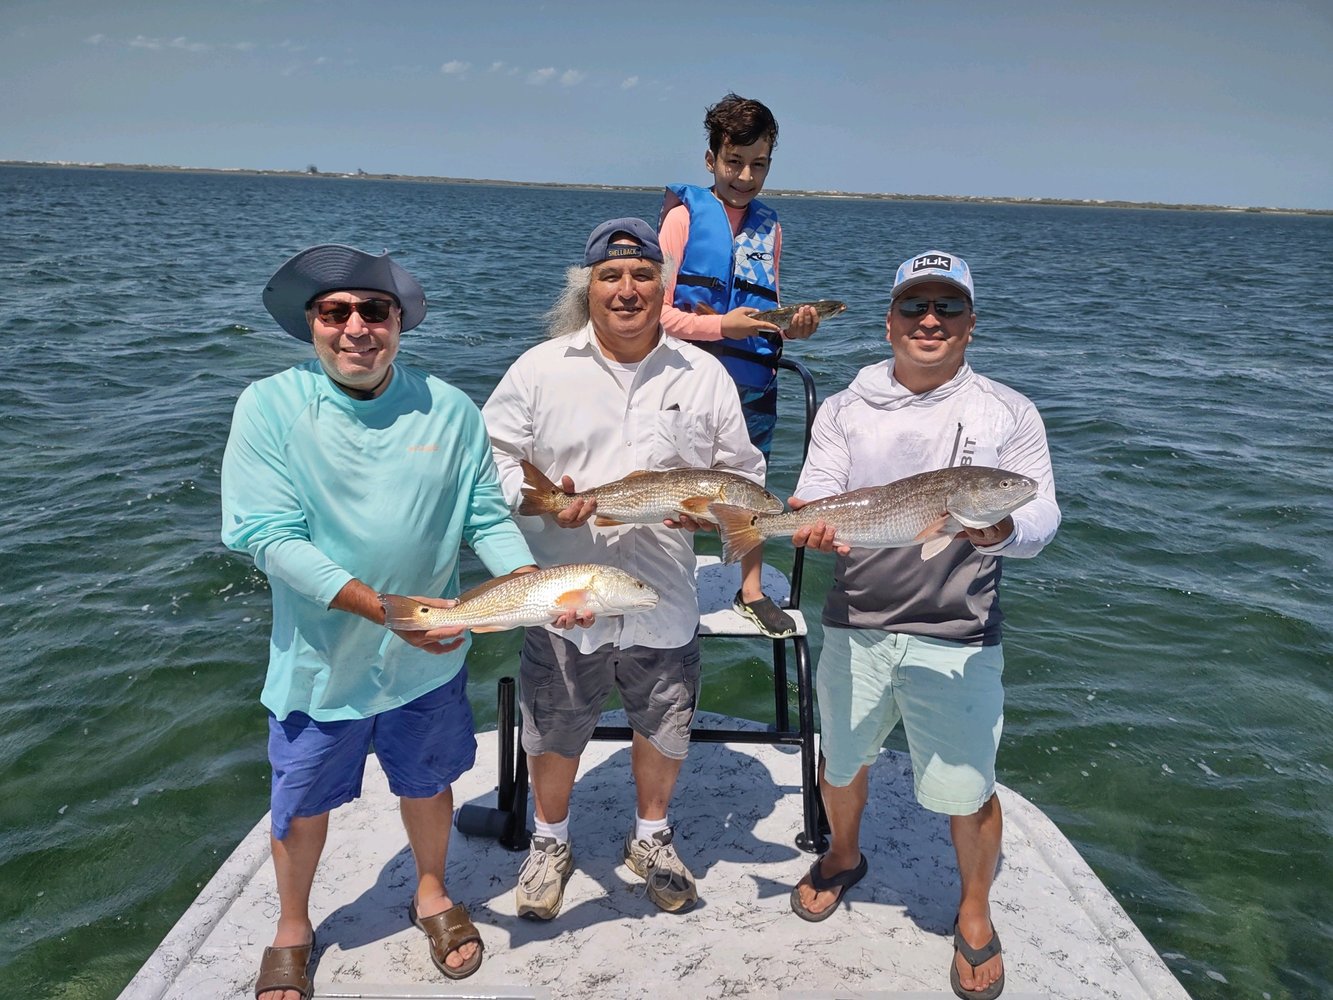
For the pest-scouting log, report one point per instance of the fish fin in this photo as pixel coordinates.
(696, 507)
(704, 309)
(481, 588)
(606, 522)
(636, 473)
(936, 536)
(572, 600)
(405, 614)
(739, 527)
(539, 493)
(489, 628)
(934, 546)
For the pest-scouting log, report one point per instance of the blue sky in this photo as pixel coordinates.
(1219, 102)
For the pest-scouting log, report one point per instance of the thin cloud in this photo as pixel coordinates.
(95, 39)
(629, 83)
(497, 66)
(179, 43)
(455, 67)
(570, 77)
(541, 76)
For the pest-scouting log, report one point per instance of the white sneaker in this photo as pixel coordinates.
(541, 880)
(669, 883)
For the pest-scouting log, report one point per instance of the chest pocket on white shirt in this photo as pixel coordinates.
(678, 440)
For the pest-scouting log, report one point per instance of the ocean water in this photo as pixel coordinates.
(1169, 655)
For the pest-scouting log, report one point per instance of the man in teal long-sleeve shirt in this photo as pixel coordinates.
(346, 477)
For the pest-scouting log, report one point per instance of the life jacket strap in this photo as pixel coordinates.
(701, 281)
(753, 289)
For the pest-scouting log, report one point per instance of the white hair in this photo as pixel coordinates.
(570, 311)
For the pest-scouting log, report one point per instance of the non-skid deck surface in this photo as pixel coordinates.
(737, 811)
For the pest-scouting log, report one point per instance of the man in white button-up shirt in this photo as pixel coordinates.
(609, 394)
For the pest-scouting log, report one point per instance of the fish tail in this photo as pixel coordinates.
(539, 493)
(739, 527)
(403, 614)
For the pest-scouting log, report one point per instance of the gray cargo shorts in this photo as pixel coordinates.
(562, 692)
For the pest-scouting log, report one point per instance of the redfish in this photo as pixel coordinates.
(649, 497)
(927, 509)
(527, 599)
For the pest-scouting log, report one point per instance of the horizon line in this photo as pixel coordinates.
(313, 172)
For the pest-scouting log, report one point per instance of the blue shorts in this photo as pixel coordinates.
(949, 696)
(423, 746)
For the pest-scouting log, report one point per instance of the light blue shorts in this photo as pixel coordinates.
(423, 747)
(949, 696)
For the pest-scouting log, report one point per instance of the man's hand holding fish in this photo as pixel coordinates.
(823, 536)
(436, 640)
(820, 535)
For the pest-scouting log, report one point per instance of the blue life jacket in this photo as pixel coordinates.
(727, 272)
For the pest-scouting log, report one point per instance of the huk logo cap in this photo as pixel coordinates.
(933, 265)
(600, 245)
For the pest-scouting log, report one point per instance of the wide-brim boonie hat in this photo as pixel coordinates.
(933, 265)
(331, 267)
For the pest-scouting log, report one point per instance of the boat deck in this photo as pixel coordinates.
(737, 811)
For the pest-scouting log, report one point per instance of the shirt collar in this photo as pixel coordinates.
(585, 340)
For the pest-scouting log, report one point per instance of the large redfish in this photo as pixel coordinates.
(649, 497)
(927, 509)
(526, 599)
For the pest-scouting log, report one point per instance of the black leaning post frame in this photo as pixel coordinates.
(508, 821)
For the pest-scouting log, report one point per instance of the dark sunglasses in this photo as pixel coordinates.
(914, 308)
(370, 310)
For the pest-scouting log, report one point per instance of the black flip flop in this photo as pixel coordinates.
(842, 881)
(974, 957)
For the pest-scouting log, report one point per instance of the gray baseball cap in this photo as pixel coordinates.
(933, 265)
(599, 248)
(331, 267)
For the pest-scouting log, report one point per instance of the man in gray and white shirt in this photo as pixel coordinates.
(913, 639)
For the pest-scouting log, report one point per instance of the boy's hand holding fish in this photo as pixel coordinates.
(803, 324)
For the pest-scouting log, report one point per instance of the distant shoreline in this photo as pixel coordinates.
(312, 173)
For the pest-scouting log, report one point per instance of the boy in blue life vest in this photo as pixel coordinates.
(726, 245)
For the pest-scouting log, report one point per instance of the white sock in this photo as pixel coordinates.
(645, 828)
(559, 832)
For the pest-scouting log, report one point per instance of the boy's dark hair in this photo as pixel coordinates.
(739, 121)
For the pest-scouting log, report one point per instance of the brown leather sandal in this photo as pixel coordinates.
(286, 969)
(449, 931)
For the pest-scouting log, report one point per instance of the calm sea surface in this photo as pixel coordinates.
(1169, 655)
